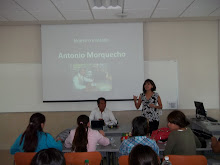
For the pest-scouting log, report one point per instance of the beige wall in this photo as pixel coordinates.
(193, 44)
(20, 44)
(195, 47)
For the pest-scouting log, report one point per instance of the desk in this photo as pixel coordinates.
(206, 126)
(108, 132)
(108, 151)
(112, 150)
(118, 131)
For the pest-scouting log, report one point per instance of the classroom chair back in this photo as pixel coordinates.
(23, 158)
(123, 160)
(78, 158)
(187, 159)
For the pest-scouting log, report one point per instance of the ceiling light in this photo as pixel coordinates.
(107, 4)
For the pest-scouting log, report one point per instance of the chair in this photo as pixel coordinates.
(123, 160)
(23, 158)
(187, 159)
(78, 158)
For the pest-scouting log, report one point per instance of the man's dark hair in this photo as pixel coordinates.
(101, 98)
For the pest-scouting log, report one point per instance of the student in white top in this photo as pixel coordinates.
(103, 113)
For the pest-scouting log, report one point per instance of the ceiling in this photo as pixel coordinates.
(14, 12)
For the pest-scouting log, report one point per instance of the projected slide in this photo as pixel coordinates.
(87, 61)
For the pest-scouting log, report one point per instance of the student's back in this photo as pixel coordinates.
(34, 139)
(83, 138)
(181, 143)
(139, 136)
(181, 140)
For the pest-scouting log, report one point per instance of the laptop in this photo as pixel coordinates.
(97, 124)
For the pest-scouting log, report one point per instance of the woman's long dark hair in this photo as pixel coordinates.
(80, 139)
(30, 134)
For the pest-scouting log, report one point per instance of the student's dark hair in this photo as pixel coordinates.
(143, 155)
(139, 126)
(152, 83)
(80, 139)
(101, 98)
(177, 117)
(30, 134)
(50, 156)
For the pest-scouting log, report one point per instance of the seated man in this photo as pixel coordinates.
(103, 113)
(139, 136)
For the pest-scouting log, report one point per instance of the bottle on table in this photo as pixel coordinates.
(166, 161)
(86, 162)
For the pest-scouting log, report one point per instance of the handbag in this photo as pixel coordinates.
(160, 134)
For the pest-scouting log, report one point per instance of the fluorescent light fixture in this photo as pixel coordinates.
(107, 4)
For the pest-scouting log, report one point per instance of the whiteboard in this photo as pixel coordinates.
(165, 76)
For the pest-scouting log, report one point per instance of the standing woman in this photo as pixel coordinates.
(83, 138)
(34, 139)
(151, 102)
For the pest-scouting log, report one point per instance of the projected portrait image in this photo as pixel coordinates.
(91, 77)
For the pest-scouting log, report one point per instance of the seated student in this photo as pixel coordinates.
(103, 113)
(142, 155)
(34, 139)
(83, 138)
(50, 156)
(181, 140)
(215, 144)
(139, 136)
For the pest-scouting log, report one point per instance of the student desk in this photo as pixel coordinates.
(206, 126)
(112, 151)
(114, 134)
(108, 131)
(117, 131)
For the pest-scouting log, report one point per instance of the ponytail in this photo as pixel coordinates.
(80, 140)
(30, 136)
